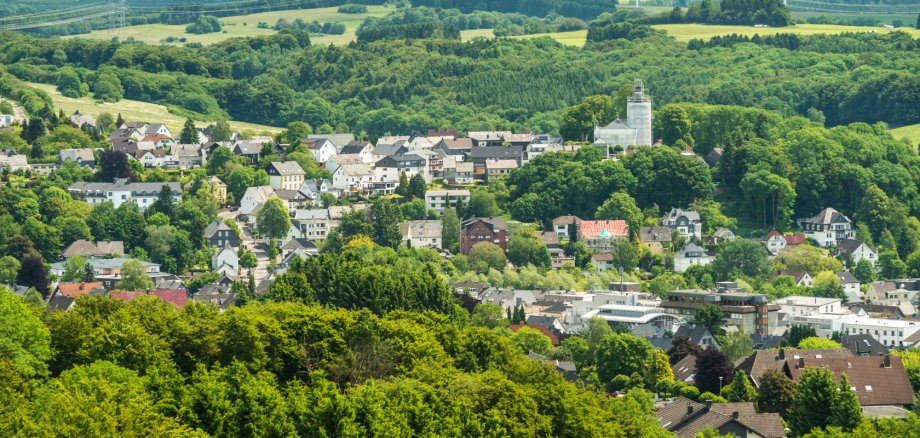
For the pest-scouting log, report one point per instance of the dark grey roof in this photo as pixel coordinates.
(497, 152)
(389, 149)
(863, 345)
(695, 333)
(60, 302)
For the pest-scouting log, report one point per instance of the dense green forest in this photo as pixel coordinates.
(399, 85)
(539, 8)
(281, 368)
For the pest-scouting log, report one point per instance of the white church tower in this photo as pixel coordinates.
(639, 114)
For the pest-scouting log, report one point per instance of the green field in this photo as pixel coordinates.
(573, 38)
(131, 110)
(907, 19)
(911, 132)
(687, 32)
(246, 26)
(467, 35)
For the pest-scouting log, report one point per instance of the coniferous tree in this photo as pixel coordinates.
(189, 134)
(164, 203)
(417, 186)
(386, 224)
(845, 412)
(32, 273)
(119, 121)
(813, 402)
(741, 389)
(403, 188)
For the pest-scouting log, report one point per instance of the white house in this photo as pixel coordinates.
(151, 157)
(6, 120)
(121, 191)
(286, 175)
(690, 255)
(802, 305)
(14, 162)
(775, 241)
(188, 156)
(686, 222)
(438, 200)
(828, 228)
(158, 129)
(254, 198)
(421, 234)
(352, 177)
(391, 167)
(857, 250)
(890, 332)
(226, 261)
(850, 286)
(321, 148)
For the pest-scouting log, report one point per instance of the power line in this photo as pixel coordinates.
(54, 22)
(41, 15)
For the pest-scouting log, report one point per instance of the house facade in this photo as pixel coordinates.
(421, 234)
(601, 235)
(828, 228)
(691, 254)
(287, 175)
(439, 200)
(121, 190)
(686, 222)
(481, 229)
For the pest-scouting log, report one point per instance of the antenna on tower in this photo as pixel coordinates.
(122, 11)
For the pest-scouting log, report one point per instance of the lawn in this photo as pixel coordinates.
(246, 26)
(467, 35)
(131, 110)
(687, 32)
(572, 38)
(911, 132)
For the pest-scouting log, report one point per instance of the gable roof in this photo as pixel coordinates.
(762, 360)
(177, 298)
(797, 276)
(567, 220)
(86, 248)
(487, 152)
(685, 369)
(545, 331)
(687, 418)
(879, 380)
(287, 168)
(60, 302)
(847, 246)
(494, 223)
(828, 216)
(654, 234)
(423, 229)
(214, 227)
(459, 144)
(75, 290)
(613, 228)
(354, 147)
(863, 345)
(77, 155)
(337, 140)
(694, 333)
(304, 244)
(846, 277)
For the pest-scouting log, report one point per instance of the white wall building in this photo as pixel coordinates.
(121, 191)
(438, 200)
(636, 130)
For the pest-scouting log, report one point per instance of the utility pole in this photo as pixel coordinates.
(122, 10)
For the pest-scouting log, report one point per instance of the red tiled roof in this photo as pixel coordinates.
(177, 297)
(615, 228)
(540, 328)
(879, 380)
(156, 137)
(75, 290)
(794, 239)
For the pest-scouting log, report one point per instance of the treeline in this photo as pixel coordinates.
(502, 24)
(746, 12)
(288, 369)
(329, 27)
(428, 29)
(584, 9)
(424, 84)
(842, 43)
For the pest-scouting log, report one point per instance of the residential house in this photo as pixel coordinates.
(439, 200)
(60, 303)
(603, 261)
(890, 332)
(557, 255)
(87, 249)
(722, 235)
(863, 345)
(761, 361)
(14, 162)
(382, 150)
(656, 239)
(521, 140)
(390, 168)
(151, 158)
(488, 138)
(713, 157)
(850, 286)
(565, 225)
(301, 247)
(353, 177)
(121, 190)
(106, 267)
(321, 149)
(692, 254)
(686, 222)
(495, 169)
(534, 150)
(287, 175)
(6, 120)
(854, 251)
(828, 228)
(363, 149)
(313, 188)
(435, 161)
(219, 234)
(249, 149)
(340, 159)
(457, 172)
(293, 199)
(751, 311)
(43, 169)
(449, 133)
(698, 335)
(159, 141)
(77, 290)
(313, 224)
(775, 241)
(218, 188)
(188, 156)
(158, 129)
(801, 278)
(479, 155)
(601, 235)
(686, 418)
(339, 141)
(421, 234)
(873, 310)
(254, 198)
(460, 147)
(480, 229)
(83, 157)
(177, 297)
(877, 381)
(226, 261)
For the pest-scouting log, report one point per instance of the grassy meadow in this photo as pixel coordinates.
(131, 110)
(911, 132)
(246, 26)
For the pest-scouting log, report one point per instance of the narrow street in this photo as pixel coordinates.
(249, 242)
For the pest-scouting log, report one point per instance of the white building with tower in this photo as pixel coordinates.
(636, 130)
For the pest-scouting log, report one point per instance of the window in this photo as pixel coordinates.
(868, 388)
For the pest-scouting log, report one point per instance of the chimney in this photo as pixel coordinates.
(782, 354)
(735, 415)
(689, 408)
(708, 405)
(801, 362)
(886, 362)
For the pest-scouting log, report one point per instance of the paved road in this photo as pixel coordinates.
(261, 269)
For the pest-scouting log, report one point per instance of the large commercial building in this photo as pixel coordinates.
(751, 311)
